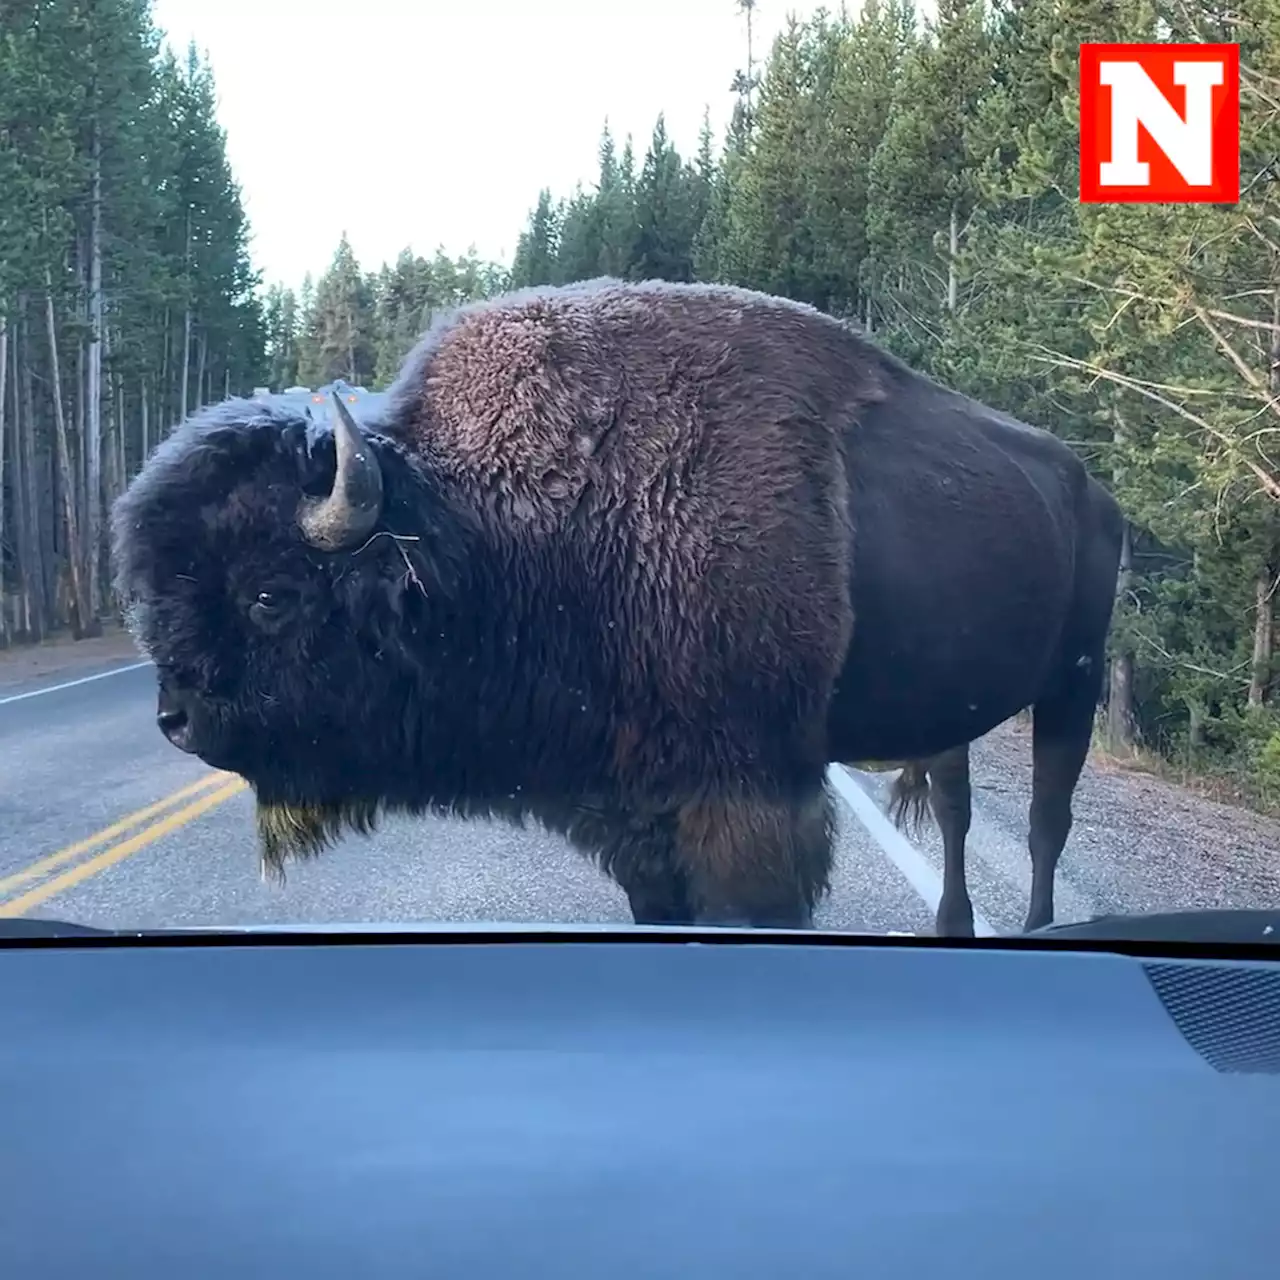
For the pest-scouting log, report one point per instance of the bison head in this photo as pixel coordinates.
(284, 580)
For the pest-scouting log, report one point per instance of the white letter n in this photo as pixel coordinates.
(1187, 143)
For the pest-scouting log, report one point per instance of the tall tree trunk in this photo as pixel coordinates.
(31, 542)
(1120, 718)
(953, 243)
(186, 326)
(747, 7)
(122, 461)
(1264, 585)
(164, 387)
(142, 413)
(4, 371)
(93, 397)
(1195, 733)
(184, 406)
(82, 616)
(80, 455)
(1263, 627)
(202, 396)
(17, 519)
(57, 581)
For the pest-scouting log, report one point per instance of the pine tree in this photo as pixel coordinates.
(535, 260)
(665, 214)
(123, 247)
(337, 340)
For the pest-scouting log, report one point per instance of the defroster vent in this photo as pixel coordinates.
(1229, 1015)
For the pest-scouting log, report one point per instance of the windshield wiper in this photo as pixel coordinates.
(27, 927)
(1226, 927)
(1247, 927)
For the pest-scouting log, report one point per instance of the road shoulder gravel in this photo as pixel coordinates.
(1139, 842)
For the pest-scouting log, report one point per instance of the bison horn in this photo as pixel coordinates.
(351, 510)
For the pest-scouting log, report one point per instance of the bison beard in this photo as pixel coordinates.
(302, 831)
(594, 566)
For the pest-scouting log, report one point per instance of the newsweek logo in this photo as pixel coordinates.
(1160, 123)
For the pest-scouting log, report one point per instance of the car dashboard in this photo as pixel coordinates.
(633, 1103)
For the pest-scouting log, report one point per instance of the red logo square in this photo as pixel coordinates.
(1160, 123)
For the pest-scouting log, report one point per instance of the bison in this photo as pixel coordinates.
(635, 560)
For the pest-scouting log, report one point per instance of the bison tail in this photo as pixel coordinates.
(909, 796)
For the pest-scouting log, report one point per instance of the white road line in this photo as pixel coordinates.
(915, 867)
(71, 684)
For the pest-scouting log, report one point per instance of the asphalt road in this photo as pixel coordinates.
(102, 822)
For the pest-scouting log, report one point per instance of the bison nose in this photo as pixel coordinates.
(176, 727)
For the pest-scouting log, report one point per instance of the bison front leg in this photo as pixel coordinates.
(639, 854)
(657, 891)
(757, 862)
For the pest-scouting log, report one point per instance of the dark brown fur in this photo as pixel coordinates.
(613, 587)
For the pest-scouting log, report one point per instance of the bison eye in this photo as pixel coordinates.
(270, 610)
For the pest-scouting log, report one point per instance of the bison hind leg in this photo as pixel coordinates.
(757, 861)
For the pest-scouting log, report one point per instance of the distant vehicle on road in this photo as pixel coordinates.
(338, 387)
(320, 399)
(317, 402)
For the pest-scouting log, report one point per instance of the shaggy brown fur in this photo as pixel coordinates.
(603, 572)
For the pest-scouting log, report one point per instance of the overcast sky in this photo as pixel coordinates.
(426, 122)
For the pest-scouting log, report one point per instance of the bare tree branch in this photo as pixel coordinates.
(1135, 295)
(1240, 363)
(1269, 484)
(1231, 676)
(1261, 235)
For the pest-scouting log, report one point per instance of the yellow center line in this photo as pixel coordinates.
(42, 866)
(117, 853)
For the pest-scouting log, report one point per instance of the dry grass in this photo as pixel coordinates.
(1217, 785)
(63, 656)
(1220, 786)
(1147, 836)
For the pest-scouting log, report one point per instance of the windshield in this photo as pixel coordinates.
(728, 463)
